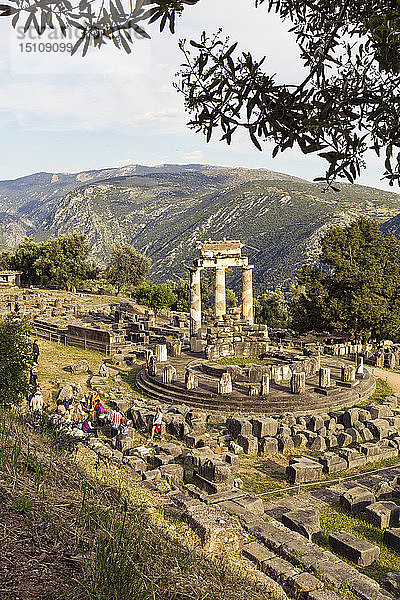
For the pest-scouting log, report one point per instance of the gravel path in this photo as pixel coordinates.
(393, 379)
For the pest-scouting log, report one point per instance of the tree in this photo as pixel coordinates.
(15, 360)
(63, 261)
(155, 296)
(271, 309)
(60, 261)
(127, 268)
(347, 103)
(181, 289)
(231, 298)
(6, 259)
(356, 287)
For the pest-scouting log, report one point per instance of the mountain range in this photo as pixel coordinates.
(166, 210)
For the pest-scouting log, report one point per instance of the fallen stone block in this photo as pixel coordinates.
(268, 446)
(380, 411)
(249, 444)
(322, 595)
(172, 472)
(152, 475)
(300, 585)
(391, 582)
(356, 499)
(218, 531)
(285, 443)
(238, 427)
(257, 553)
(280, 570)
(303, 471)
(305, 522)
(358, 550)
(391, 537)
(332, 462)
(383, 514)
(352, 457)
(379, 428)
(253, 504)
(344, 439)
(265, 427)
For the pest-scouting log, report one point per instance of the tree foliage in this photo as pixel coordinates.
(271, 308)
(155, 296)
(15, 360)
(356, 288)
(60, 261)
(346, 104)
(127, 267)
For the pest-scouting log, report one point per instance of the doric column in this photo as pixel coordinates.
(247, 294)
(220, 294)
(195, 301)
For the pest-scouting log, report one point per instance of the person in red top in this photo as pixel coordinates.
(100, 412)
(115, 418)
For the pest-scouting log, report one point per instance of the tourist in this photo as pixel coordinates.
(100, 413)
(37, 401)
(61, 409)
(33, 377)
(103, 371)
(29, 394)
(115, 418)
(87, 427)
(122, 432)
(157, 420)
(36, 352)
(66, 403)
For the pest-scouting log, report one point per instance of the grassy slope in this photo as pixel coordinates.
(123, 541)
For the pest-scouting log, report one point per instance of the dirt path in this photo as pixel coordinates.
(392, 379)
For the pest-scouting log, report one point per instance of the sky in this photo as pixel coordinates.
(67, 114)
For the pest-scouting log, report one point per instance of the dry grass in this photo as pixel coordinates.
(118, 533)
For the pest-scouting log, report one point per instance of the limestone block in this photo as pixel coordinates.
(218, 531)
(324, 377)
(300, 585)
(332, 462)
(391, 582)
(152, 475)
(280, 569)
(239, 427)
(264, 427)
(300, 440)
(344, 439)
(356, 499)
(358, 550)
(331, 441)
(380, 411)
(172, 472)
(268, 446)
(170, 448)
(366, 435)
(285, 443)
(383, 514)
(162, 459)
(379, 428)
(249, 444)
(305, 522)
(303, 471)
(318, 444)
(257, 553)
(322, 595)
(350, 417)
(353, 457)
(354, 434)
(391, 537)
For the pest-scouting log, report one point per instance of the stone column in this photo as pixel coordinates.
(220, 294)
(324, 377)
(247, 294)
(298, 383)
(348, 373)
(265, 382)
(195, 301)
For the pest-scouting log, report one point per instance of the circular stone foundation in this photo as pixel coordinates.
(279, 400)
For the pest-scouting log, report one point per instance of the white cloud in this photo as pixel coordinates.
(193, 157)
